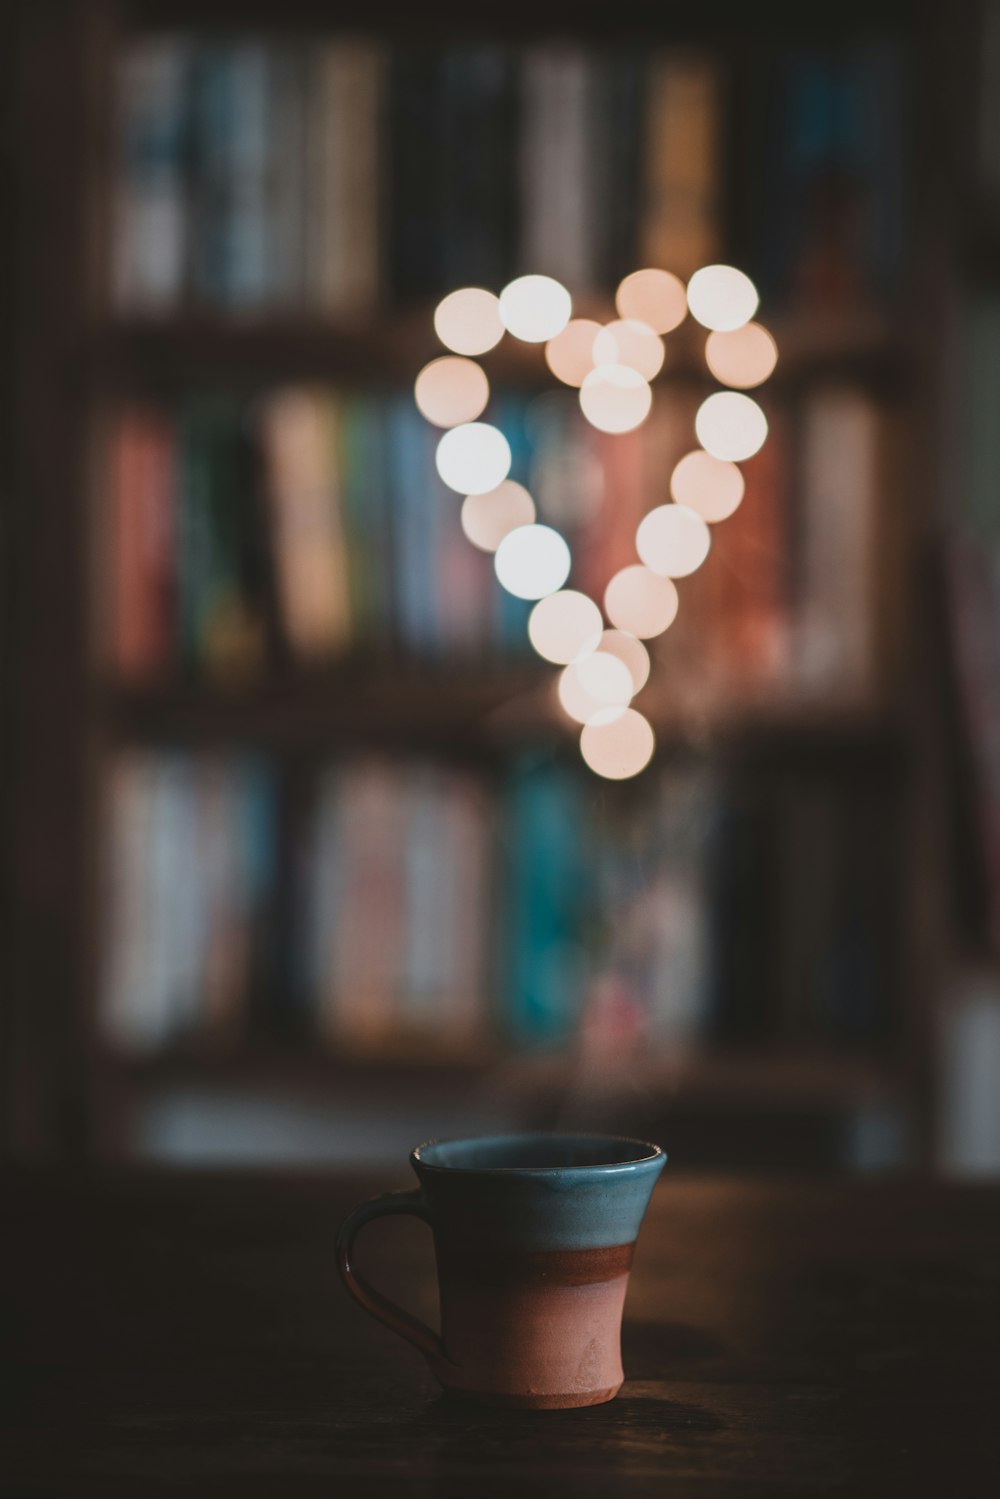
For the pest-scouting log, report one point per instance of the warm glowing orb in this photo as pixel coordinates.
(565, 625)
(630, 649)
(473, 458)
(574, 699)
(673, 541)
(570, 355)
(487, 518)
(712, 486)
(451, 390)
(640, 602)
(730, 425)
(631, 343)
(617, 744)
(535, 308)
(615, 398)
(532, 561)
(744, 358)
(653, 297)
(468, 321)
(722, 297)
(605, 678)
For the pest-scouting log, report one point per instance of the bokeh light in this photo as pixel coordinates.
(451, 390)
(570, 355)
(614, 398)
(721, 297)
(631, 343)
(744, 357)
(565, 625)
(487, 518)
(605, 678)
(730, 425)
(468, 321)
(535, 308)
(673, 540)
(576, 702)
(617, 744)
(630, 649)
(532, 561)
(640, 602)
(473, 458)
(654, 297)
(712, 486)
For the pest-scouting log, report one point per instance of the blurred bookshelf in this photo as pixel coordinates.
(740, 942)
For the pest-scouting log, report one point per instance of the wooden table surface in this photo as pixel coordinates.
(187, 1334)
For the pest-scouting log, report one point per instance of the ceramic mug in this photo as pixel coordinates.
(533, 1236)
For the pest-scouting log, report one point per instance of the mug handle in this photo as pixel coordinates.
(377, 1305)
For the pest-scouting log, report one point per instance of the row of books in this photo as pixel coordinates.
(416, 903)
(307, 524)
(304, 524)
(337, 175)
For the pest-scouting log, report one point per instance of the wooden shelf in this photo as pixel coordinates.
(460, 710)
(448, 707)
(766, 1080)
(456, 708)
(644, 21)
(387, 351)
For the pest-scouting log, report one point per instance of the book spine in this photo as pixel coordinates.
(557, 167)
(479, 166)
(680, 228)
(836, 633)
(125, 996)
(416, 142)
(365, 985)
(213, 107)
(287, 187)
(143, 501)
(546, 892)
(345, 149)
(302, 438)
(152, 225)
(248, 226)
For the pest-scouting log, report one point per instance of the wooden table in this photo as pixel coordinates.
(187, 1334)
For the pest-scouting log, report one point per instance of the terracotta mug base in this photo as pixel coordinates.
(572, 1400)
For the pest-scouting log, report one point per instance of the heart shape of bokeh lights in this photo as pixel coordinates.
(603, 659)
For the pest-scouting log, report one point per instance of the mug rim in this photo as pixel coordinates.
(652, 1154)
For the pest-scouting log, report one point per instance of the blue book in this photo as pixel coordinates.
(213, 117)
(246, 231)
(256, 836)
(414, 490)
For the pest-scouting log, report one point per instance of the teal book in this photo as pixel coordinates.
(413, 485)
(366, 517)
(542, 960)
(359, 516)
(256, 836)
(211, 525)
(214, 113)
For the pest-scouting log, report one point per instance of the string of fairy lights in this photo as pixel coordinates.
(601, 652)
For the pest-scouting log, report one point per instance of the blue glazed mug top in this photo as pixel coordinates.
(537, 1192)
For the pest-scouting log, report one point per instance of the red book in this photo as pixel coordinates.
(751, 567)
(143, 470)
